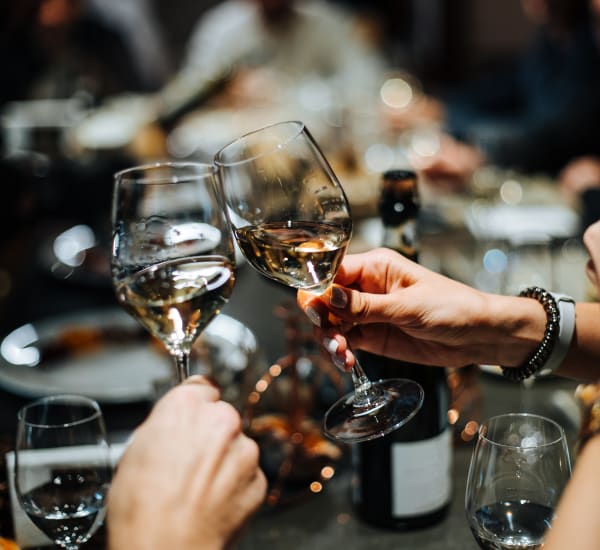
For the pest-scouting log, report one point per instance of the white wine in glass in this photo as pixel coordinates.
(292, 221)
(173, 260)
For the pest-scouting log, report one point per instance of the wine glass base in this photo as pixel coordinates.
(399, 400)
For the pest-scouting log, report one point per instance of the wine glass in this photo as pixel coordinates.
(62, 467)
(292, 222)
(173, 258)
(518, 470)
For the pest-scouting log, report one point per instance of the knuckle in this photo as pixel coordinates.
(251, 451)
(227, 418)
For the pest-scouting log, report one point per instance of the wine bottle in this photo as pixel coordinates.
(403, 480)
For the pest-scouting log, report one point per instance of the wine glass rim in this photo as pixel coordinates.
(300, 126)
(208, 170)
(96, 412)
(486, 423)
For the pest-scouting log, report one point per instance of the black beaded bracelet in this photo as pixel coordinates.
(537, 361)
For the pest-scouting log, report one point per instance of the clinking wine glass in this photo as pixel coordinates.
(62, 467)
(292, 222)
(518, 471)
(173, 257)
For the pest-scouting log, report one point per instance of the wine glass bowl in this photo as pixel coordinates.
(519, 467)
(292, 221)
(288, 211)
(62, 467)
(173, 258)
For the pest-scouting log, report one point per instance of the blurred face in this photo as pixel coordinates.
(273, 10)
(536, 10)
(55, 14)
(591, 239)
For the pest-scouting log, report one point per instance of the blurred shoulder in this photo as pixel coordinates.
(229, 14)
(320, 9)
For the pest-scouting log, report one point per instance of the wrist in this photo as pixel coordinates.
(516, 326)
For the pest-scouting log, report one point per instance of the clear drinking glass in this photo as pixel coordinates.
(173, 258)
(292, 222)
(518, 470)
(62, 467)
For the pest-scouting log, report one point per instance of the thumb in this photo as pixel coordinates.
(360, 307)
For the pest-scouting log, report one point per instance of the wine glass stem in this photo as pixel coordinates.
(364, 392)
(182, 365)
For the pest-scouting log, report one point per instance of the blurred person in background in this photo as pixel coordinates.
(59, 48)
(261, 46)
(580, 180)
(535, 114)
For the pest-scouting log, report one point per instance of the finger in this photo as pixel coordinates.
(200, 379)
(591, 239)
(315, 308)
(358, 308)
(203, 386)
(336, 347)
(238, 467)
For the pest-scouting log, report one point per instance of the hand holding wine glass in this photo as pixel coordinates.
(62, 467)
(172, 256)
(518, 470)
(292, 221)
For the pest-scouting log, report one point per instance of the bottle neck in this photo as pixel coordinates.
(402, 238)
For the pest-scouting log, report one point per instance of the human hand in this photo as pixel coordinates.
(391, 306)
(453, 165)
(591, 239)
(580, 174)
(189, 478)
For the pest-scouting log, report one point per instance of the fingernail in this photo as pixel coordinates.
(339, 363)
(314, 317)
(339, 298)
(331, 345)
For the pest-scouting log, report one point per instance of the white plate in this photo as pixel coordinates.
(106, 355)
(514, 222)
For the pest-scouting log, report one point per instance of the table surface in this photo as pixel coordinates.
(321, 521)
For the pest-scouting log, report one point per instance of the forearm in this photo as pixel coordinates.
(578, 512)
(583, 359)
(514, 327)
(511, 329)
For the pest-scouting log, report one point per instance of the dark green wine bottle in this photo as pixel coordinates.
(403, 480)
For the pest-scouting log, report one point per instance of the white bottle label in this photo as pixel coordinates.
(421, 476)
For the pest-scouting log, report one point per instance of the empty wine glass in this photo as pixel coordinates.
(62, 467)
(518, 470)
(292, 222)
(172, 256)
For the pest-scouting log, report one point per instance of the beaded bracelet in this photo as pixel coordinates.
(537, 361)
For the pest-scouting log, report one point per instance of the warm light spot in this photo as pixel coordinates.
(261, 386)
(275, 370)
(396, 93)
(453, 382)
(327, 472)
(511, 192)
(453, 416)
(253, 398)
(469, 431)
(343, 519)
(297, 438)
(471, 427)
(316, 487)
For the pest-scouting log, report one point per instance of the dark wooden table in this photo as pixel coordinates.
(321, 521)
